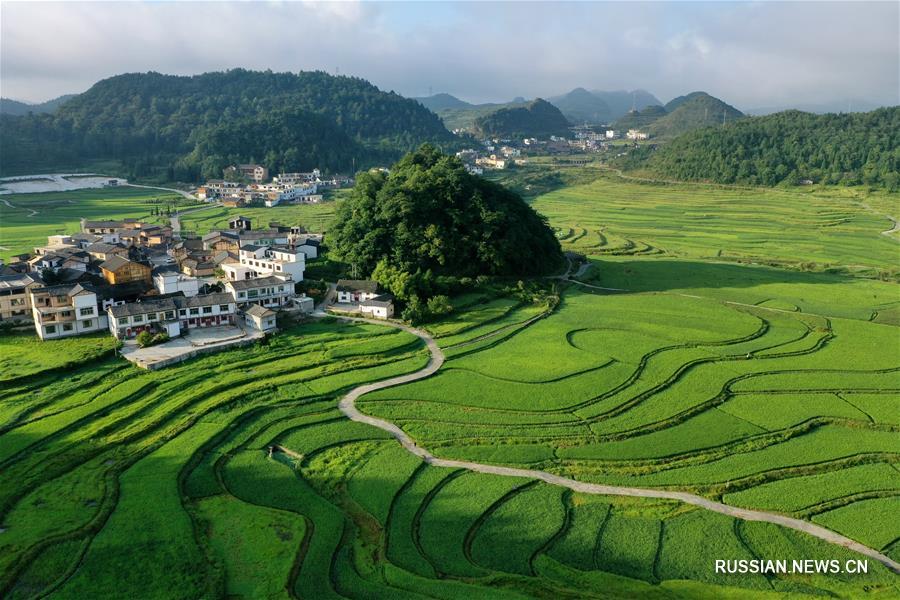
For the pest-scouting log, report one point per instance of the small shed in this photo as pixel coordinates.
(260, 318)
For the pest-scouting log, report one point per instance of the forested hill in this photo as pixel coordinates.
(857, 148)
(14, 107)
(538, 118)
(153, 121)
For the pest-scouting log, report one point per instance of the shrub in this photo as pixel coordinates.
(144, 339)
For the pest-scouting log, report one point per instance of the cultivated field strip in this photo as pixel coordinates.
(687, 416)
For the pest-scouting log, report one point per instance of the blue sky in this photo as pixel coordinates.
(749, 53)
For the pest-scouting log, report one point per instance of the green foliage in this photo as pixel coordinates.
(538, 118)
(430, 215)
(187, 127)
(144, 339)
(787, 147)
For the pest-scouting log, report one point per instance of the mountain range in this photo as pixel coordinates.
(16, 108)
(189, 127)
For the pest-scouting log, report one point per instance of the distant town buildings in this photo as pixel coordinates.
(635, 134)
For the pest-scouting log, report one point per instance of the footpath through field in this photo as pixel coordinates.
(347, 407)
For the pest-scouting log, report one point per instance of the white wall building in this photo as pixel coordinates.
(265, 291)
(170, 281)
(261, 261)
(65, 310)
(380, 307)
(352, 291)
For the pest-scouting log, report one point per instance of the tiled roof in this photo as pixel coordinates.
(357, 285)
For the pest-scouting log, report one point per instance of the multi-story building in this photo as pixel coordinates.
(173, 315)
(15, 301)
(65, 310)
(169, 280)
(264, 291)
(261, 261)
(257, 173)
(118, 269)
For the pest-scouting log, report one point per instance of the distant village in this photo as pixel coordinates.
(504, 153)
(128, 277)
(249, 185)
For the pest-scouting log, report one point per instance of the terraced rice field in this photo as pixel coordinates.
(694, 221)
(235, 474)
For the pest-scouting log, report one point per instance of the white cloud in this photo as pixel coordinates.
(748, 53)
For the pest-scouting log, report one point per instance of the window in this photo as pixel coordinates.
(67, 327)
(182, 312)
(223, 308)
(195, 311)
(50, 329)
(123, 320)
(65, 313)
(138, 318)
(17, 302)
(170, 314)
(207, 310)
(86, 312)
(242, 295)
(88, 323)
(253, 294)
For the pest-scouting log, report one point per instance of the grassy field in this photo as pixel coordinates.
(315, 217)
(32, 217)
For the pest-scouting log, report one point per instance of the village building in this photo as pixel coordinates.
(352, 291)
(65, 310)
(118, 269)
(15, 301)
(261, 261)
(103, 251)
(260, 318)
(173, 315)
(380, 307)
(635, 134)
(266, 291)
(257, 173)
(168, 280)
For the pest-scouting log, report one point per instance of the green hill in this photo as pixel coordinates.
(439, 102)
(166, 125)
(538, 118)
(692, 111)
(429, 215)
(640, 119)
(622, 101)
(581, 106)
(16, 108)
(857, 148)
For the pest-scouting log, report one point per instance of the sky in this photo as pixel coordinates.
(751, 54)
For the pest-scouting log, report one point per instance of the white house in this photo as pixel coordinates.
(260, 318)
(634, 134)
(171, 315)
(65, 310)
(351, 291)
(610, 134)
(265, 291)
(169, 280)
(262, 261)
(380, 307)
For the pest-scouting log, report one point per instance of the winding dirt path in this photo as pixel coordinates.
(347, 407)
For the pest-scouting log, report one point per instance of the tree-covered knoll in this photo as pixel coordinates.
(429, 218)
(538, 118)
(788, 147)
(152, 121)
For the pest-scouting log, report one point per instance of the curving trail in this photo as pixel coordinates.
(347, 407)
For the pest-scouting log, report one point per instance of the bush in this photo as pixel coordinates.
(144, 339)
